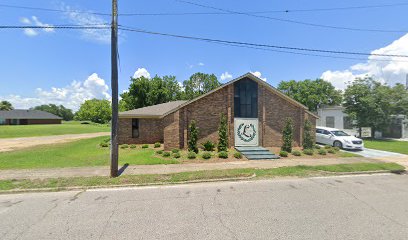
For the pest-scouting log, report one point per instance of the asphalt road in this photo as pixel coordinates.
(356, 207)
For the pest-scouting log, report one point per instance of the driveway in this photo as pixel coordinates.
(372, 153)
(348, 207)
(10, 144)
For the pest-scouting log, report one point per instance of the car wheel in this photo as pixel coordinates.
(337, 144)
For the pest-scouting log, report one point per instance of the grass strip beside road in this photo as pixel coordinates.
(297, 171)
(387, 145)
(72, 127)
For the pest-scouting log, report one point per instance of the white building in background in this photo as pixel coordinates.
(335, 117)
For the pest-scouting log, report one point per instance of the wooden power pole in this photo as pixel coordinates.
(114, 86)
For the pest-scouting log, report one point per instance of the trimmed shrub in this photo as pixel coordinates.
(308, 152)
(176, 155)
(317, 146)
(175, 150)
(223, 134)
(157, 145)
(238, 155)
(283, 153)
(193, 137)
(103, 144)
(327, 146)
(296, 153)
(191, 155)
(145, 146)
(331, 150)
(166, 154)
(123, 146)
(308, 140)
(208, 146)
(206, 155)
(322, 152)
(132, 146)
(336, 149)
(159, 152)
(287, 136)
(223, 154)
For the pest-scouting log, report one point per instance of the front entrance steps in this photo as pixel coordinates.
(256, 153)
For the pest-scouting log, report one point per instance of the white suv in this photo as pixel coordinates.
(338, 138)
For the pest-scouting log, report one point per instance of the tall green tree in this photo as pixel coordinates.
(198, 84)
(287, 135)
(370, 103)
(95, 110)
(193, 137)
(311, 93)
(223, 134)
(308, 139)
(137, 94)
(6, 106)
(60, 110)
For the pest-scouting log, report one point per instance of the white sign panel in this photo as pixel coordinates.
(246, 131)
(365, 132)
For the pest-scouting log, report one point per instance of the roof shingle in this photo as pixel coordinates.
(27, 114)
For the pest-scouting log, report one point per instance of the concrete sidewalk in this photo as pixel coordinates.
(174, 168)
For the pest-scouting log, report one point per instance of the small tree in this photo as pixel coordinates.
(192, 140)
(223, 134)
(287, 136)
(307, 135)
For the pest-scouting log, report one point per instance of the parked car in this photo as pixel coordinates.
(338, 138)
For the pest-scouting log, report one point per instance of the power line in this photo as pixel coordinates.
(211, 13)
(292, 21)
(124, 28)
(90, 26)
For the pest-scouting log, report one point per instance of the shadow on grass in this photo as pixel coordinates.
(122, 169)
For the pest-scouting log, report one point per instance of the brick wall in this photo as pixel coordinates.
(150, 131)
(171, 131)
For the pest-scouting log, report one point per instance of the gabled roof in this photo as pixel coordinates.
(162, 110)
(155, 111)
(27, 114)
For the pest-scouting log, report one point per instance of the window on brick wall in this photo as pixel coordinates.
(135, 128)
(246, 99)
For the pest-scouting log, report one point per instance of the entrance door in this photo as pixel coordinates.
(246, 131)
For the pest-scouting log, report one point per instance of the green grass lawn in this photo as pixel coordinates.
(81, 153)
(387, 145)
(72, 127)
(296, 171)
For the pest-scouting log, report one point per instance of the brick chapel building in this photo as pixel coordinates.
(256, 113)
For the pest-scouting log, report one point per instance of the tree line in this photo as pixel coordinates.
(369, 102)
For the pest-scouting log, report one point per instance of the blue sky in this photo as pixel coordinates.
(69, 66)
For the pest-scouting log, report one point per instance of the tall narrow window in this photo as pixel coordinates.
(330, 122)
(135, 128)
(246, 99)
(347, 123)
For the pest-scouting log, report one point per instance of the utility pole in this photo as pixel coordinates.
(114, 86)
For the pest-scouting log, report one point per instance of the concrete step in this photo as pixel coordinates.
(256, 153)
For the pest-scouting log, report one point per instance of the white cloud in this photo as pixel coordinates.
(81, 17)
(70, 96)
(259, 75)
(225, 76)
(390, 70)
(141, 72)
(34, 21)
(200, 64)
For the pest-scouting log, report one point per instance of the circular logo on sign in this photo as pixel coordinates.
(246, 132)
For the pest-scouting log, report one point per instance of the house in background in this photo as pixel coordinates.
(28, 117)
(335, 117)
(256, 113)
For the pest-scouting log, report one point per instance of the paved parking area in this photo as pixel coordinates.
(372, 153)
